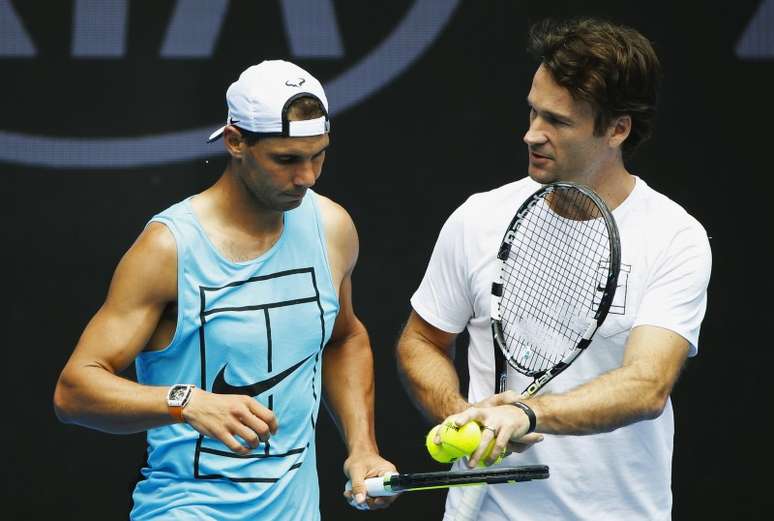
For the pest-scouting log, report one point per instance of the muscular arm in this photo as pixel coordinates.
(425, 365)
(348, 365)
(90, 391)
(348, 375)
(638, 390)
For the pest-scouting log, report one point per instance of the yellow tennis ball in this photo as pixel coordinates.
(487, 452)
(460, 441)
(437, 452)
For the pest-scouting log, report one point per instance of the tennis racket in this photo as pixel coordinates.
(393, 483)
(556, 278)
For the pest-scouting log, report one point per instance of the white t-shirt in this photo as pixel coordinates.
(665, 268)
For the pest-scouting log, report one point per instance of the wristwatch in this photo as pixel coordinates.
(177, 398)
(530, 414)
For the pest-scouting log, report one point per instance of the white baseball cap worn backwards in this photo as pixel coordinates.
(259, 101)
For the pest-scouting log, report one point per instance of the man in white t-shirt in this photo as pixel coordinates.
(605, 425)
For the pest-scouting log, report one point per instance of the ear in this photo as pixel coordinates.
(234, 142)
(619, 130)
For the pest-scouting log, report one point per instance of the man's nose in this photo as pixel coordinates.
(535, 136)
(306, 175)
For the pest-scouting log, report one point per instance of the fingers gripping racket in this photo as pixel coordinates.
(556, 278)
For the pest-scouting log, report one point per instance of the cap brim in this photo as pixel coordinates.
(215, 135)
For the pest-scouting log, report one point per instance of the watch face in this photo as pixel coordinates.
(177, 395)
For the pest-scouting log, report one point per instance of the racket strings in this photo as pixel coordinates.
(550, 280)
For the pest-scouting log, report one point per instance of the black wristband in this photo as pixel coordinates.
(530, 414)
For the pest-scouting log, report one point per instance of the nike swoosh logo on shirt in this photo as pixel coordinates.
(221, 386)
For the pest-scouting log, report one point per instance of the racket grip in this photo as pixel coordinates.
(375, 486)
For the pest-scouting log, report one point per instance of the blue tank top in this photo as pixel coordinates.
(255, 328)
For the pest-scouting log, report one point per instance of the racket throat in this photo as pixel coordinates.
(542, 379)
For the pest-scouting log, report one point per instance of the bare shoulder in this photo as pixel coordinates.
(340, 233)
(154, 246)
(148, 270)
(156, 237)
(334, 215)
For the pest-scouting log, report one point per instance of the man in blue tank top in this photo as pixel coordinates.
(231, 303)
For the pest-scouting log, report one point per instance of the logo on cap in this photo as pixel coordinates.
(295, 83)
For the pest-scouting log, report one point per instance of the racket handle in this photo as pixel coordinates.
(470, 503)
(375, 486)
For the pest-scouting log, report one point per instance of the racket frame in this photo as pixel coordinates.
(541, 378)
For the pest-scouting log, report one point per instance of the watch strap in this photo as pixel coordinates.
(176, 412)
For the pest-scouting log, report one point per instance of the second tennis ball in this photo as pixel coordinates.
(460, 441)
(487, 452)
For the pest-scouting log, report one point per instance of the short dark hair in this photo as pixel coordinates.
(301, 108)
(613, 67)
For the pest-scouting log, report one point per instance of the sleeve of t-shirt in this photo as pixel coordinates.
(443, 297)
(676, 296)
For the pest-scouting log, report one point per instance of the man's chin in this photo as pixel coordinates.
(541, 176)
(294, 205)
(289, 203)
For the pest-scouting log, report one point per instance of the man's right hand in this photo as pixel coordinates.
(224, 416)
